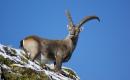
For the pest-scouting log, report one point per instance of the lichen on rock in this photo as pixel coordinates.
(15, 65)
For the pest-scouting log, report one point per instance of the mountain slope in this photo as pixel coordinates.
(15, 65)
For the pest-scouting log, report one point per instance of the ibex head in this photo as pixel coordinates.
(74, 30)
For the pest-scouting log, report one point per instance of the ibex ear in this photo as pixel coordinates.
(81, 29)
(67, 25)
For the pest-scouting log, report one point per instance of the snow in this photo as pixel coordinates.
(33, 65)
(5, 66)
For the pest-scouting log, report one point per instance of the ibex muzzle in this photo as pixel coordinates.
(58, 51)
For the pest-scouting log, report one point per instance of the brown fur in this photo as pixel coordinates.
(58, 51)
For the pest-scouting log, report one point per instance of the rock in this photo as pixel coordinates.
(15, 65)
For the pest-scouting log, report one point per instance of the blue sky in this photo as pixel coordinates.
(103, 50)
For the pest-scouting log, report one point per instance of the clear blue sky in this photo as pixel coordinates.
(103, 50)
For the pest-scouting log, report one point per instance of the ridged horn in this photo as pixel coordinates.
(88, 18)
(69, 18)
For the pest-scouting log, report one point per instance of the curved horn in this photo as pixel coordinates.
(69, 18)
(88, 18)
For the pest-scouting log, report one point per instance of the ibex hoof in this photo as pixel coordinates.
(57, 70)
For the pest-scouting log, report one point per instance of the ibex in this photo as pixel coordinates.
(58, 51)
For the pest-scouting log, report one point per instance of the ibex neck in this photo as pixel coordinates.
(73, 40)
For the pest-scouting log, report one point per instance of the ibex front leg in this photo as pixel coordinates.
(58, 62)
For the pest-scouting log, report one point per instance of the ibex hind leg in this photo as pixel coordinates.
(31, 47)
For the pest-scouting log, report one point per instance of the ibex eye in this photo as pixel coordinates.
(77, 29)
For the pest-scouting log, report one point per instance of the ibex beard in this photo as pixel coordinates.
(56, 51)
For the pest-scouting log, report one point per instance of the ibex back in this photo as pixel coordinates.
(58, 51)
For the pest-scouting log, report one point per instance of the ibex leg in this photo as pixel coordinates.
(58, 63)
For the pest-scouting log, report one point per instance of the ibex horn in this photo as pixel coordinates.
(69, 18)
(88, 18)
